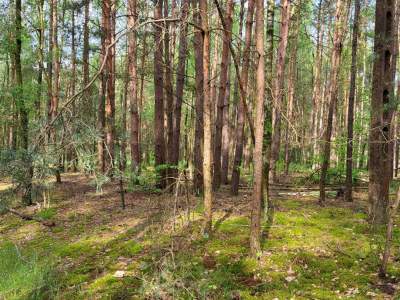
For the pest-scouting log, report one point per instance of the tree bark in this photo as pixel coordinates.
(207, 121)
(227, 37)
(180, 84)
(199, 134)
(316, 96)
(381, 112)
(87, 105)
(159, 141)
(255, 227)
(226, 129)
(241, 110)
(169, 95)
(56, 80)
(278, 87)
(350, 109)
(23, 112)
(132, 87)
(110, 14)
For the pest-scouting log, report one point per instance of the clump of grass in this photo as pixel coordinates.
(47, 213)
(23, 276)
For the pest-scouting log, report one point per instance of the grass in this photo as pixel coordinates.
(311, 252)
(23, 275)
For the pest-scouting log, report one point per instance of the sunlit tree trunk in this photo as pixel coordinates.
(207, 121)
(255, 227)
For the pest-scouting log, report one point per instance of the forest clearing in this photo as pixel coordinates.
(199, 149)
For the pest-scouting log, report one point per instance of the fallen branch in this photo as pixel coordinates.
(31, 218)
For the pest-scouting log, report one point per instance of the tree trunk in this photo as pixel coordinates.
(56, 80)
(350, 109)
(381, 111)
(268, 103)
(87, 102)
(169, 94)
(132, 86)
(226, 130)
(255, 228)
(23, 112)
(278, 87)
(291, 87)
(180, 84)
(198, 138)
(159, 141)
(207, 121)
(227, 37)
(41, 36)
(110, 12)
(241, 110)
(316, 95)
(338, 37)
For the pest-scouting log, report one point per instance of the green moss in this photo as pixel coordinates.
(82, 248)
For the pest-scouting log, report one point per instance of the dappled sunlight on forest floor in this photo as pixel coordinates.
(154, 249)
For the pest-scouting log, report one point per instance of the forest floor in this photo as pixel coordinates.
(99, 251)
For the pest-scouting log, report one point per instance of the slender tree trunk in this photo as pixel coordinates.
(338, 37)
(227, 37)
(350, 109)
(255, 228)
(241, 110)
(291, 87)
(102, 91)
(159, 141)
(56, 80)
(50, 65)
(316, 95)
(23, 112)
(199, 105)
(132, 86)
(180, 84)
(381, 111)
(110, 12)
(278, 87)
(87, 105)
(41, 58)
(226, 130)
(268, 103)
(169, 94)
(207, 121)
